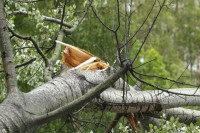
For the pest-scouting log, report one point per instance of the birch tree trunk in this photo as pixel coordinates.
(30, 110)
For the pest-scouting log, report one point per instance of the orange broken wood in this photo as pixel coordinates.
(133, 122)
(77, 58)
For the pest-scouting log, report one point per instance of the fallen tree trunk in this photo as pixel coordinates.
(22, 113)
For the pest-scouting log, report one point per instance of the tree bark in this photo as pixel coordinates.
(20, 114)
(6, 53)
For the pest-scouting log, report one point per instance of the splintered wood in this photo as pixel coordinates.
(77, 58)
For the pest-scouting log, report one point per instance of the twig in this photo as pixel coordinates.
(156, 87)
(29, 47)
(164, 78)
(23, 64)
(114, 122)
(85, 12)
(73, 28)
(88, 121)
(63, 15)
(101, 20)
(148, 31)
(34, 1)
(141, 24)
(45, 18)
(144, 63)
(118, 16)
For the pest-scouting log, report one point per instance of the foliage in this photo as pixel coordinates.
(166, 126)
(173, 125)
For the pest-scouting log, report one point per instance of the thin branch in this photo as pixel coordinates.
(118, 49)
(73, 28)
(61, 128)
(114, 122)
(45, 18)
(156, 87)
(17, 13)
(34, 43)
(101, 20)
(179, 78)
(148, 32)
(164, 78)
(85, 12)
(144, 63)
(26, 63)
(34, 1)
(89, 121)
(55, 20)
(63, 16)
(29, 47)
(23, 64)
(142, 23)
(118, 17)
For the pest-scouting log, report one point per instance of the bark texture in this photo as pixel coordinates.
(6, 53)
(23, 112)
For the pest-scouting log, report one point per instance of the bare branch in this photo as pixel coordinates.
(101, 20)
(157, 87)
(88, 121)
(144, 63)
(73, 29)
(141, 24)
(63, 15)
(29, 47)
(118, 16)
(114, 122)
(45, 18)
(164, 78)
(33, 1)
(23, 64)
(34, 43)
(54, 20)
(148, 31)
(85, 12)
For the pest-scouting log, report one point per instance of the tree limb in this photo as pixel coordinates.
(83, 99)
(147, 101)
(186, 116)
(6, 53)
(23, 64)
(45, 18)
(34, 43)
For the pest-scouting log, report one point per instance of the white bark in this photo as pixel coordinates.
(145, 101)
(19, 113)
(185, 115)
